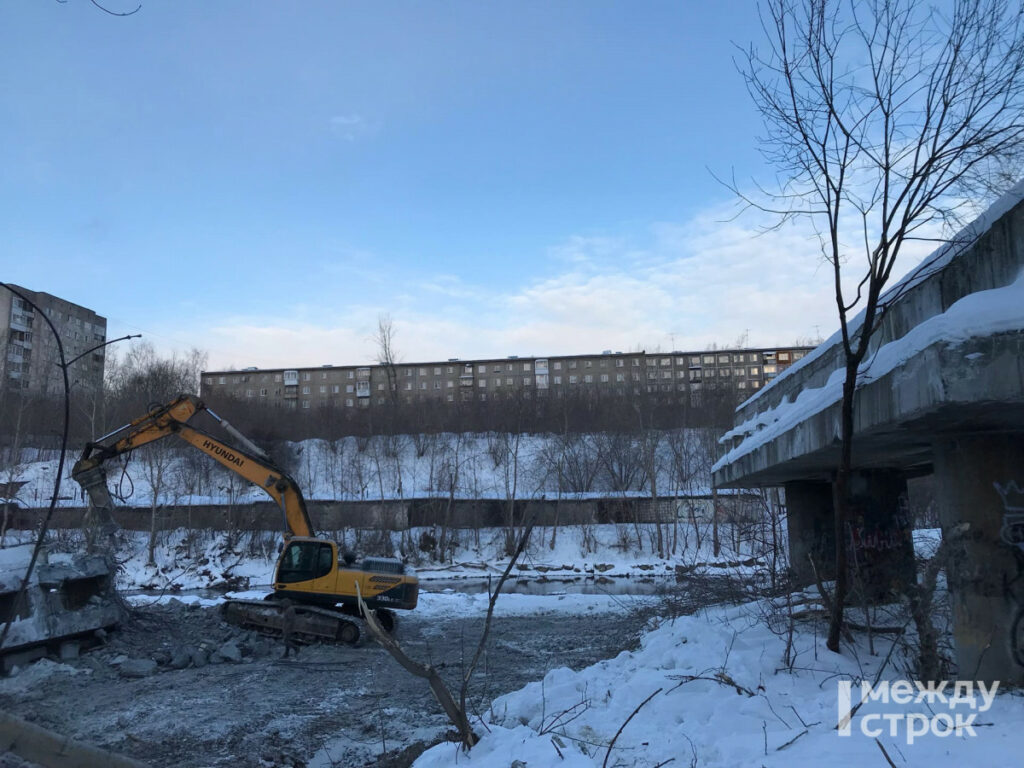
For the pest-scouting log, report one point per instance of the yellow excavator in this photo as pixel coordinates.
(321, 586)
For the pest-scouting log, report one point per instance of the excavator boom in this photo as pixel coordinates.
(171, 419)
(309, 570)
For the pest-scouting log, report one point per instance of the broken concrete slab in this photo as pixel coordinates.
(229, 652)
(181, 658)
(66, 596)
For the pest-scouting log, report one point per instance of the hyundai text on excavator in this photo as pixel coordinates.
(322, 587)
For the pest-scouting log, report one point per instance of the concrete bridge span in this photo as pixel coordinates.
(941, 392)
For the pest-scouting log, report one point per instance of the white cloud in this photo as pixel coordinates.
(689, 285)
(349, 127)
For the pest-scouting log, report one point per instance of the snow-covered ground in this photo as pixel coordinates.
(718, 693)
(478, 465)
(709, 689)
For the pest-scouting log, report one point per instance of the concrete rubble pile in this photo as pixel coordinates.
(69, 600)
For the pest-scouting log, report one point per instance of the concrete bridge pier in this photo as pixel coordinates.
(980, 481)
(879, 536)
(811, 530)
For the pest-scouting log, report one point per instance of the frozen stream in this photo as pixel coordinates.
(334, 705)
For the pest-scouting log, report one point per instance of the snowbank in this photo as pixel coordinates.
(717, 692)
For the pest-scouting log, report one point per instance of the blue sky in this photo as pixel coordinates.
(263, 179)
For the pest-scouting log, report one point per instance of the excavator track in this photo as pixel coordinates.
(312, 623)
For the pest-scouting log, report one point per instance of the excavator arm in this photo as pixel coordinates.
(249, 462)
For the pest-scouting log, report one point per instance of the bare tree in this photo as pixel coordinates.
(387, 355)
(137, 381)
(456, 711)
(883, 117)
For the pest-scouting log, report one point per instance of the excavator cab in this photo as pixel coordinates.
(309, 571)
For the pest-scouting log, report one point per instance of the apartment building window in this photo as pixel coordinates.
(323, 389)
(249, 393)
(526, 366)
(481, 382)
(408, 373)
(620, 363)
(437, 385)
(451, 369)
(709, 373)
(636, 362)
(450, 398)
(557, 366)
(666, 374)
(423, 385)
(263, 392)
(572, 364)
(620, 377)
(725, 372)
(588, 379)
(708, 359)
(558, 380)
(651, 362)
(305, 403)
(497, 382)
(222, 380)
(306, 376)
(741, 385)
(335, 389)
(604, 363)
(755, 370)
(666, 361)
(680, 361)
(380, 387)
(408, 386)
(604, 378)
(527, 381)
(798, 355)
(348, 402)
(680, 374)
(738, 371)
(509, 381)
(770, 369)
(450, 384)
(277, 377)
(783, 357)
(351, 375)
(323, 374)
(483, 396)
(305, 390)
(481, 369)
(652, 375)
(572, 379)
(437, 371)
(349, 388)
(588, 364)
(755, 384)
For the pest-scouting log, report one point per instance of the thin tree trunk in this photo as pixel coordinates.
(841, 502)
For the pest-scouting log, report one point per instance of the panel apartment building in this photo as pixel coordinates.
(609, 373)
(30, 352)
